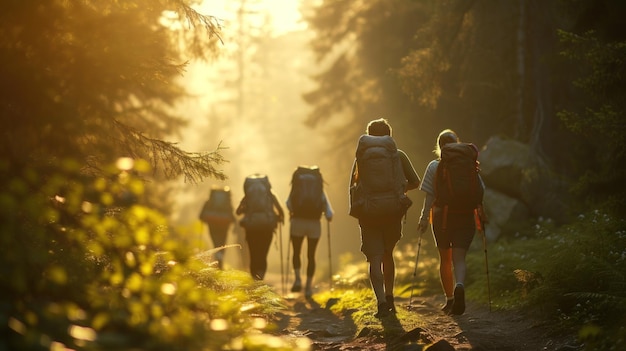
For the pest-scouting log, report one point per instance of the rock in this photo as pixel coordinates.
(440, 345)
(510, 167)
(502, 164)
(501, 210)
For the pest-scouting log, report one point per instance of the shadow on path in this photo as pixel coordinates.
(305, 317)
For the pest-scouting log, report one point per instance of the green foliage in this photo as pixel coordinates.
(353, 272)
(574, 275)
(358, 45)
(352, 296)
(598, 114)
(85, 267)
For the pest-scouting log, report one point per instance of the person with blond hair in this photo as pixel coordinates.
(453, 227)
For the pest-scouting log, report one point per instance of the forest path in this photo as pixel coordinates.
(417, 325)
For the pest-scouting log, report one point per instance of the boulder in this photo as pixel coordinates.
(502, 165)
(501, 210)
(511, 168)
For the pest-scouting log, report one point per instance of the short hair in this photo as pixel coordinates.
(446, 136)
(379, 127)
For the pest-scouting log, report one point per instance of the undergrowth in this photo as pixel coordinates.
(573, 275)
(86, 266)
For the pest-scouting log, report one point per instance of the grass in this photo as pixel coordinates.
(103, 276)
(572, 276)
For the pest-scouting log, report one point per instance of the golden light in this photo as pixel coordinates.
(82, 333)
(219, 324)
(125, 163)
(259, 323)
(168, 289)
(284, 13)
(87, 207)
(17, 326)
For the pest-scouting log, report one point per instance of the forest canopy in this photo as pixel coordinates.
(549, 74)
(95, 80)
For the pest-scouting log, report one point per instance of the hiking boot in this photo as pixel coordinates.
(392, 306)
(447, 308)
(458, 307)
(383, 310)
(297, 286)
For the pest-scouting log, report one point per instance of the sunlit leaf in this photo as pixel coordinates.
(130, 259)
(107, 199)
(100, 184)
(136, 187)
(142, 165)
(100, 320)
(134, 282)
(82, 333)
(116, 279)
(57, 274)
(142, 236)
(146, 268)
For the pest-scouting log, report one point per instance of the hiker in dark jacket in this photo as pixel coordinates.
(259, 238)
(453, 242)
(217, 213)
(380, 234)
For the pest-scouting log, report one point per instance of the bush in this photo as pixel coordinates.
(87, 267)
(574, 274)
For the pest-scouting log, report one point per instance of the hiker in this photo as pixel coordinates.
(381, 176)
(262, 213)
(306, 203)
(217, 213)
(453, 222)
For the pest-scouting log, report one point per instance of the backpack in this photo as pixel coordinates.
(218, 209)
(380, 189)
(259, 204)
(457, 183)
(307, 192)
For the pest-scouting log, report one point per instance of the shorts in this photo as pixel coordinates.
(380, 238)
(459, 232)
(301, 227)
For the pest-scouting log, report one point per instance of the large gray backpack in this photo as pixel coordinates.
(259, 204)
(380, 188)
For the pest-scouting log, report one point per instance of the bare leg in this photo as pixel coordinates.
(458, 259)
(389, 274)
(310, 269)
(445, 271)
(377, 279)
(297, 263)
(460, 268)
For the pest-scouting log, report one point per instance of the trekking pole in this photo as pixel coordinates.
(287, 260)
(280, 244)
(481, 226)
(417, 257)
(487, 267)
(330, 256)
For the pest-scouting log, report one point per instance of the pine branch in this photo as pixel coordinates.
(170, 160)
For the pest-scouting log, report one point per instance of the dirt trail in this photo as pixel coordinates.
(477, 329)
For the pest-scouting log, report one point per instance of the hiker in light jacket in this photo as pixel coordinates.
(453, 242)
(311, 228)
